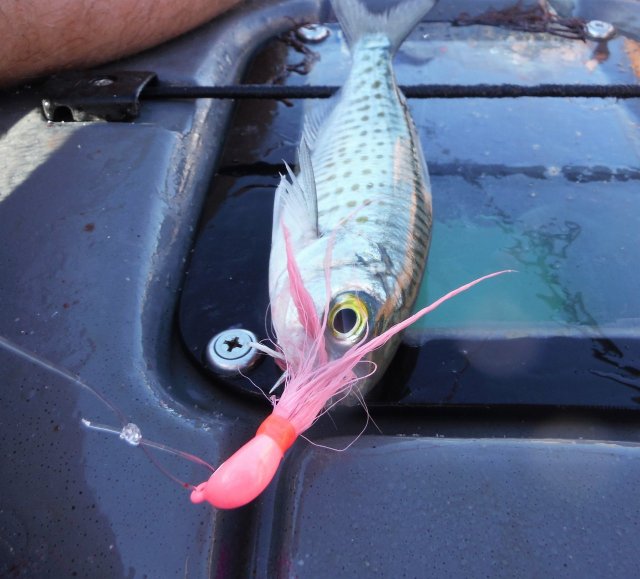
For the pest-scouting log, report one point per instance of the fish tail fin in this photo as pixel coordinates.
(357, 20)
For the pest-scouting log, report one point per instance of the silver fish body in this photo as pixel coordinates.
(368, 235)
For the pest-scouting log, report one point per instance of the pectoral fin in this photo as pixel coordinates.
(296, 203)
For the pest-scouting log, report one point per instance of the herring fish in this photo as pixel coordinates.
(351, 235)
(363, 188)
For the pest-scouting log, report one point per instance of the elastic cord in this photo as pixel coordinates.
(280, 430)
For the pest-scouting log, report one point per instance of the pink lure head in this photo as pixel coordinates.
(243, 476)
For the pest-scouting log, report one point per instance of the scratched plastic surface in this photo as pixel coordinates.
(548, 187)
(432, 498)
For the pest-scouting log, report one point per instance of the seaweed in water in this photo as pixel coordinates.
(539, 18)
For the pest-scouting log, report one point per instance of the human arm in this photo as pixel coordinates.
(41, 36)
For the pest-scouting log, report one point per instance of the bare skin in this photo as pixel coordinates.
(38, 37)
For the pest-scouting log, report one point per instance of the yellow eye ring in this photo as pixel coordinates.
(348, 318)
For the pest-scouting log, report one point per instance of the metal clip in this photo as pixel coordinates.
(95, 96)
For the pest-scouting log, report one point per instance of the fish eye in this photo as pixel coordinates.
(348, 318)
(345, 320)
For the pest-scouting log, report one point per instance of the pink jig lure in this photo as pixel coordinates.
(308, 388)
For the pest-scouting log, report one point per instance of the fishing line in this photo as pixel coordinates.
(57, 370)
(129, 432)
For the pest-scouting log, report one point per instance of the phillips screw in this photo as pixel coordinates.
(229, 352)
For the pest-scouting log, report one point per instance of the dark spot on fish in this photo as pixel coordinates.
(355, 187)
(362, 219)
(363, 133)
(361, 261)
(364, 158)
(347, 174)
(384, 255)
(377, 96)
(381, 114)
(364, 118)
(330, 178)
(420, 252)
(376, 84)
(351, 203)
(368, 69)
(422, 219)
(364, 108)
(366, 172)
(367, 202)
(369, 185)
(340, 190)
(89, 227)
(380, 156)
(425, 231)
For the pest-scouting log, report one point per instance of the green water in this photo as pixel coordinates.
(460, 252)
(576, 272)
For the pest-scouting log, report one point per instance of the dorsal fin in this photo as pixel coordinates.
(315, 117)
